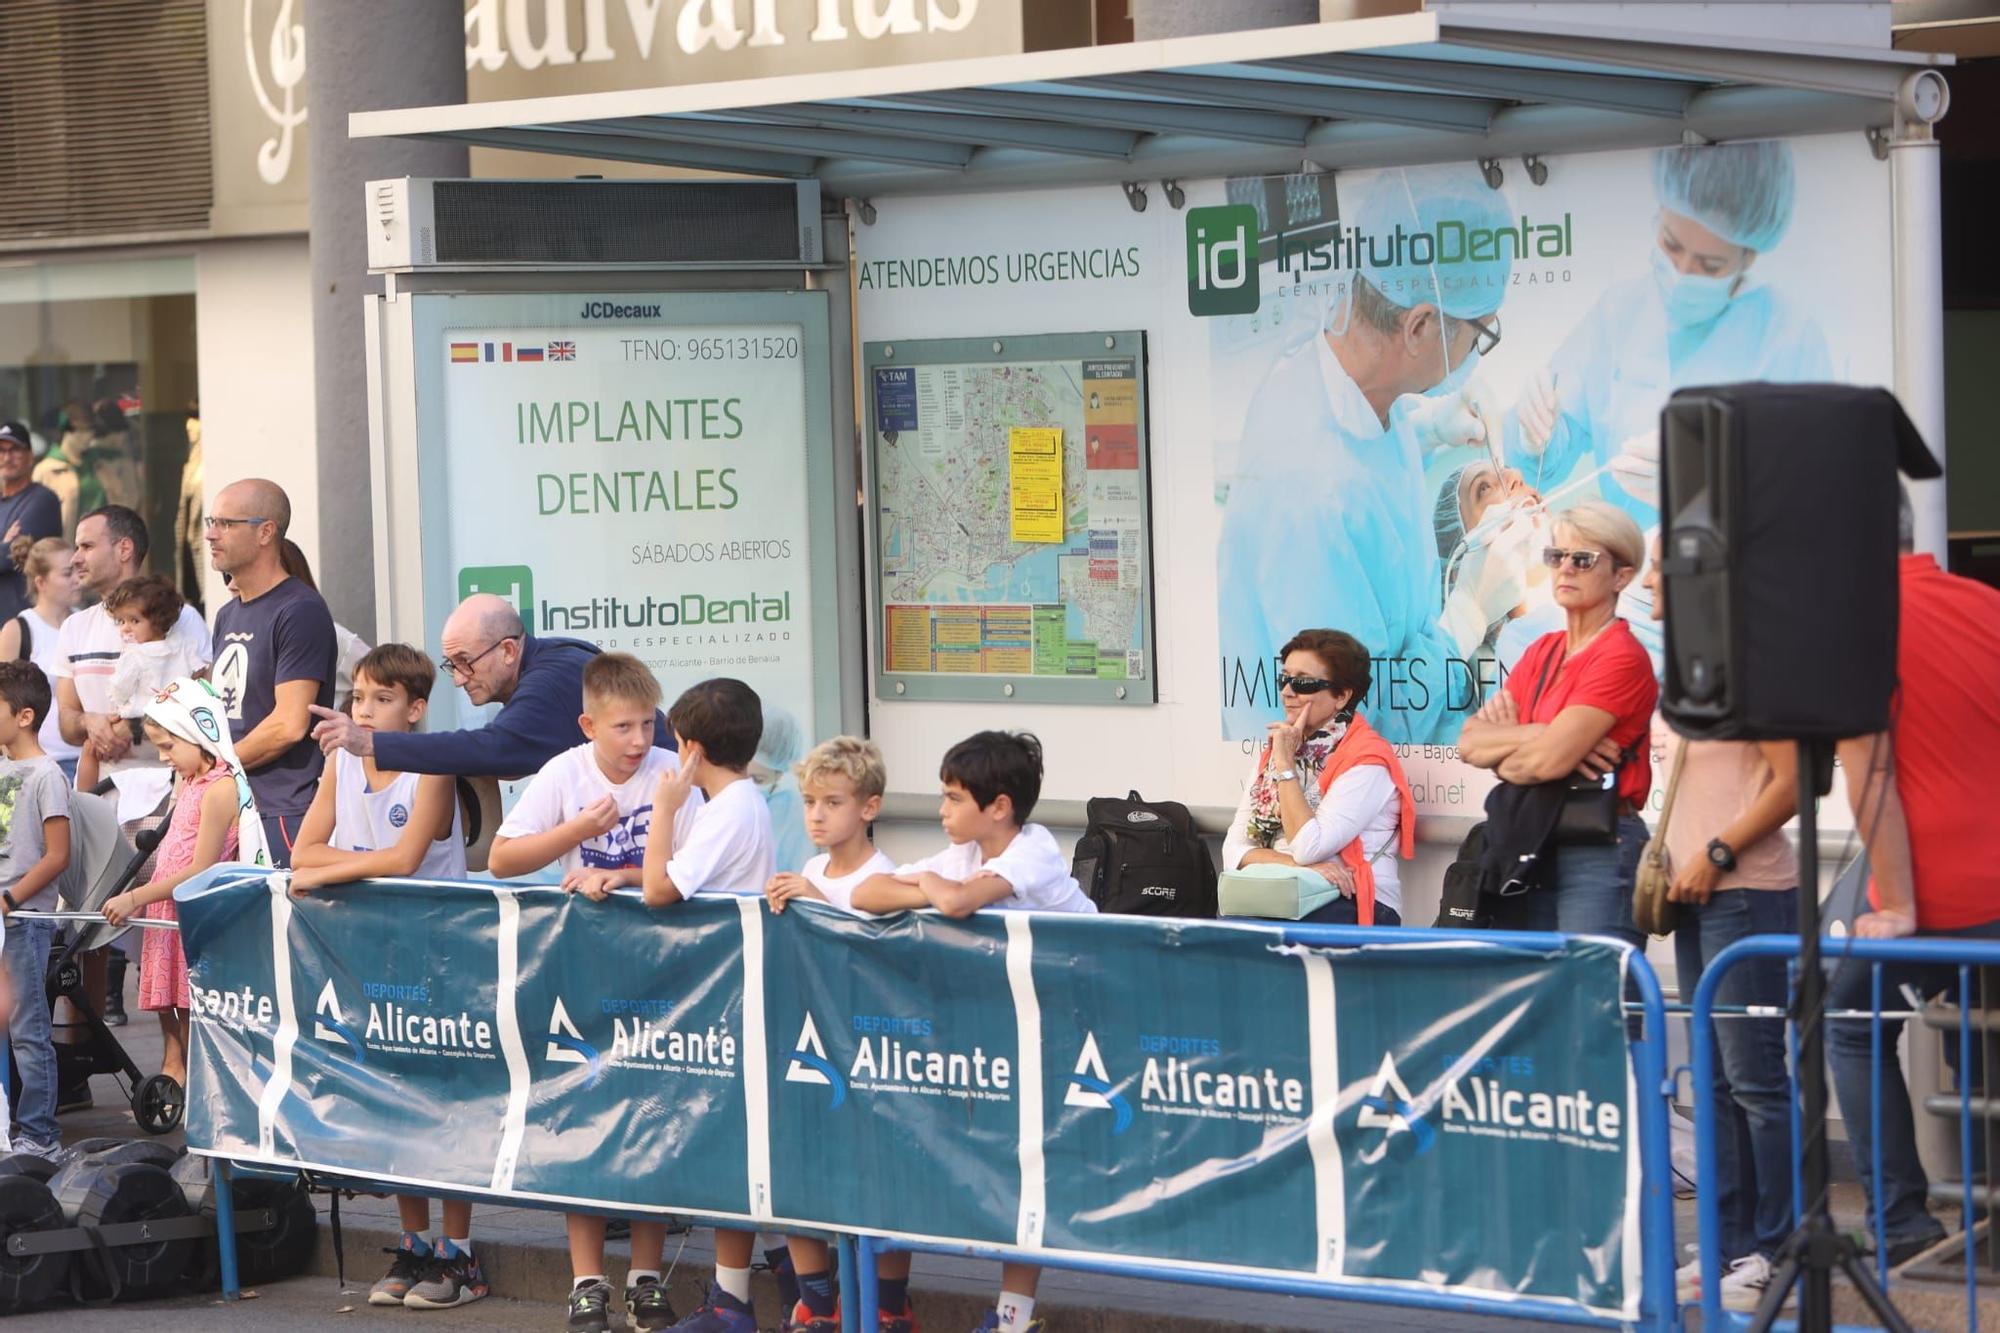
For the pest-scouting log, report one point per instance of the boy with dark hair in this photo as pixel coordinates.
(366, 822)
(727, 847)
(34, 853)
(596, 810)
(997, 859)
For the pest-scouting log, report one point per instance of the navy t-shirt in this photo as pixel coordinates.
(39, 514)
(285, 635)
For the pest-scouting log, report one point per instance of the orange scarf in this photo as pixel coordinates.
(1362, 744)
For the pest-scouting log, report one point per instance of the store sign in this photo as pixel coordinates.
(639, 483)
(546, 48)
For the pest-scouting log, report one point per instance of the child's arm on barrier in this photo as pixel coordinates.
(790, 887)
(520, 855)
(957, 898)
(218, 813)
(889, 893)
(435, 794)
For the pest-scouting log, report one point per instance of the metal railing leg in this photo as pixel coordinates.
(850, 1292)
(225, 1230)
(865, 1255)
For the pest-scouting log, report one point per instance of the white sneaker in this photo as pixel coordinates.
(1743, 1285)
(1687, 1282)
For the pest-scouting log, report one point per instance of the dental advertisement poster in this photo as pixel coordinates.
(1377, 392)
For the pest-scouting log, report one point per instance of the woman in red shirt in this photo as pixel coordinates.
(1580, 701)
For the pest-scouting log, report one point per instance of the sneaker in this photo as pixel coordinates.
(720, 1313)
(74, 1096)
(905, 1322)
(451, 1277)
(114, 1011)
(590, 1308)
(406, 1269)
(1743, 1285)
(991, 1324)
(646, 1304)
(803, 1320)
(48, 1152)
(1909, 1247)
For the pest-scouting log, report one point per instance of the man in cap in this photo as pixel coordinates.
(27, 509)
(1330, 524)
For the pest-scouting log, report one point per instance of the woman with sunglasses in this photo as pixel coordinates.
(1580, 701)
(1328, 793)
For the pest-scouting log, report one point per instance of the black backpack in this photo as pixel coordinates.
(1144, 858)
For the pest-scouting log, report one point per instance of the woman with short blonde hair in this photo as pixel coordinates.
(1579, 703)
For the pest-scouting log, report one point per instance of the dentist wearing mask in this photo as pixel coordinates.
(1330, 524)
(1700, 316)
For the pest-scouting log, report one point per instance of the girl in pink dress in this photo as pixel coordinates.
(201, 832)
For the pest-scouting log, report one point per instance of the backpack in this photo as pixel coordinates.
(1463, 903)
(1144, 858)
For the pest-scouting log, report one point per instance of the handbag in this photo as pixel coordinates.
(1652, 911)
(1273, 892)
(1590, 805)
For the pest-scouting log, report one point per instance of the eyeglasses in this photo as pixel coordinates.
(1486, 336)
(1553, 557)
(1303, 684)
(461, 669)
(212, 523)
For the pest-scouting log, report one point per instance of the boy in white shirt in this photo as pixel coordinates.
(594, 809)
(996, 860)
(365, 823)
(842, 783)
(726, 848)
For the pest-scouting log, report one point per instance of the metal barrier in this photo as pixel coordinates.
(1963, 954)
(1658, 1310)
(1647, 1053)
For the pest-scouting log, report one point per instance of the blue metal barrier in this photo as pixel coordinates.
(1963, 954)
(1656, 1218)
(1647, 1050)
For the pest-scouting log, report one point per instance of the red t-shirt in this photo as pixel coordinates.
(1612, 673)
(1946, 727)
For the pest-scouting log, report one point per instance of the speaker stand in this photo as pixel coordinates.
(1816, 1250)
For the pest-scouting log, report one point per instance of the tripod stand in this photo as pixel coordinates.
(1815, 1250)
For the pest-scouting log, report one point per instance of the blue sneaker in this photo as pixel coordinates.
(991, 1324)
(720, 1313)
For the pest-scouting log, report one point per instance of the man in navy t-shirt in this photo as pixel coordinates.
(274, 656)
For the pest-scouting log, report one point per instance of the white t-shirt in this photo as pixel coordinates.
(840, 892)
(87, 648)
(144, 669)
(571, 781)
(365, 820)
(1032, 865)
(43, 640)
(729, 848)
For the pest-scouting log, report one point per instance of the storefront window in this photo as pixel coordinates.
(97, 357)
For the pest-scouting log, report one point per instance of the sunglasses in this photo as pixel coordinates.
(1553, 557)
(1303, 684)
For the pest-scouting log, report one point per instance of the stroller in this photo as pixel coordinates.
(103, 863)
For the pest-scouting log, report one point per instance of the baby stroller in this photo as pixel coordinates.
(102, 864)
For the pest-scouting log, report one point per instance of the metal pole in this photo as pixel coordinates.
(1815, 1280)
(1917, 251)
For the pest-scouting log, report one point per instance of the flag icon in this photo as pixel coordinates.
(489, 351)
(562, 351)
(527, 353)
(463, 352)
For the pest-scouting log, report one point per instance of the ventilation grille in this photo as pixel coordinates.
(103, 117)
(618, 222)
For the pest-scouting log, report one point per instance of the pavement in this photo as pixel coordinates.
(527, 1265)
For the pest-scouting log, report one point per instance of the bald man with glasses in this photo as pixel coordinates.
(488, 653)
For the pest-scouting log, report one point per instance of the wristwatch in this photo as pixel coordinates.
(1721, 855)
(1285, 775)
(8, 896)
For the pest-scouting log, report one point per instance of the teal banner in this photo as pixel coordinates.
(1448, 1114)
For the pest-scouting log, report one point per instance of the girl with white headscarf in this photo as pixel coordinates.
(213, 820)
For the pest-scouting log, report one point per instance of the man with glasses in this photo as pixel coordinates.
(1328, 520)
(490, 655)
(27, 509)
(275, 656)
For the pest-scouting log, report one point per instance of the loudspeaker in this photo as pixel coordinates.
(1778, 535)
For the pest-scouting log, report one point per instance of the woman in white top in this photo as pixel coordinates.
(1327, 792)
(52, 594)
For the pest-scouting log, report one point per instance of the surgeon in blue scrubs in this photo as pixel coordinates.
(1699, 315)
(1330, 521)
